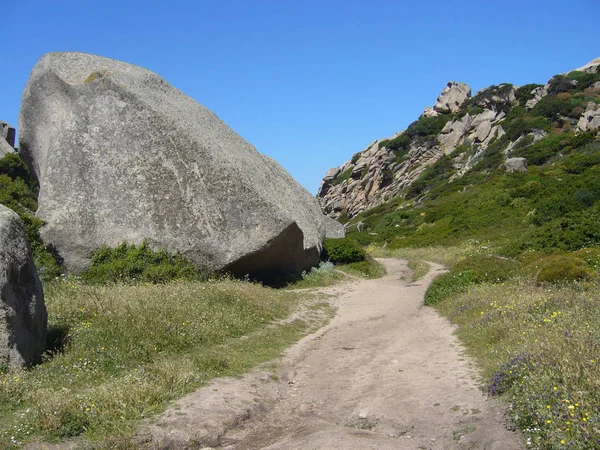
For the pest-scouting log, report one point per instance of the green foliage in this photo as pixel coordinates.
(524, 94)
(343, 176)
(541, 151)
(368, 268)
(130, 262)
(554, 106)
(521, 126)
(343, 251)
(562, 269)
(584, 79)
(474, 269)
(18, 191)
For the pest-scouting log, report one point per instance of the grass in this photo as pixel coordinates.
(122, 352)
(419, 269)
(537, 343)
(445, 255)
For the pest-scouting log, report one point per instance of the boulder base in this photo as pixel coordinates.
(23, 317)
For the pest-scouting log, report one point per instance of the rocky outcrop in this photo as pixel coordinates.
(590, 119)
(452, 97)
(121, 155)
(23, 317)
(472, 125)
(7, 139)
(515, 165)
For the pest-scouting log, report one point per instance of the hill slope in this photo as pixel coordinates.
(514, 165)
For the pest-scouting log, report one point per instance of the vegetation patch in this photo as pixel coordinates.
(127, 350)
(539, 351)
(343, 251)
(18, 191)
(130, 262)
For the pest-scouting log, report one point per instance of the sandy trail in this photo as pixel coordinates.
(386, 373)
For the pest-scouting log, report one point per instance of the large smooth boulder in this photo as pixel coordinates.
(23, 317)
(7, 139)
(121, 155)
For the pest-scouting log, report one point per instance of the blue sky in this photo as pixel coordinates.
(307, 82)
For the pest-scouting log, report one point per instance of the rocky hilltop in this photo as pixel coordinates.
(120, 155)
(497, 120)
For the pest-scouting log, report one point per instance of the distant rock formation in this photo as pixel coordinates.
(470, 125)
(121, 155)
(452, 97)
(7, 139)
(23, 317)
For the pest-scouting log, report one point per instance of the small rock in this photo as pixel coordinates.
(362, 415)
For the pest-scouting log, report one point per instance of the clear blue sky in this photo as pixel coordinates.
(307, 82)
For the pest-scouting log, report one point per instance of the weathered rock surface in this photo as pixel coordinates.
(515, 165)
(123, 156)
(23, 317)
(7, 139)
(452, 97)
(334, 229)
(590, 119)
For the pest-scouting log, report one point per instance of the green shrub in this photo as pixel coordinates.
(523, 93)
(343, 251)
(471, 270)
(343, 176)
(18, 191)
(130, 262)
(368, 268)
(562, 269)
(447, 285)
(591, 256)
(488, 268)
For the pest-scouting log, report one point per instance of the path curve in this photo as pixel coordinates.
(386, 373)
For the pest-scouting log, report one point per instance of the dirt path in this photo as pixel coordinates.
(387, 373)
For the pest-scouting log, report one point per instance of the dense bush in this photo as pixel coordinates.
(562, 269)
(130, 262)
(523, 93)
(18, 191)
(471, 270)
(343, 251)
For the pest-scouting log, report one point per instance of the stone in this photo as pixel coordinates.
(483, 130)
(121, 155)
(515, 165)
(334, 229)
(7, 139)
(331, 174)
(430, 112)
(23, 316)
(5, 149)
(452, 97)
(7, 133)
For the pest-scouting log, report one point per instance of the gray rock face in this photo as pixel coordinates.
(122, 156)
(7, 139)
(452, 97)
(590, 119)
(334, 229)
(515, 165)
(23, 317)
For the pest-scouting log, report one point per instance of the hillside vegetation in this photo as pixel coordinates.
(523, 252)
